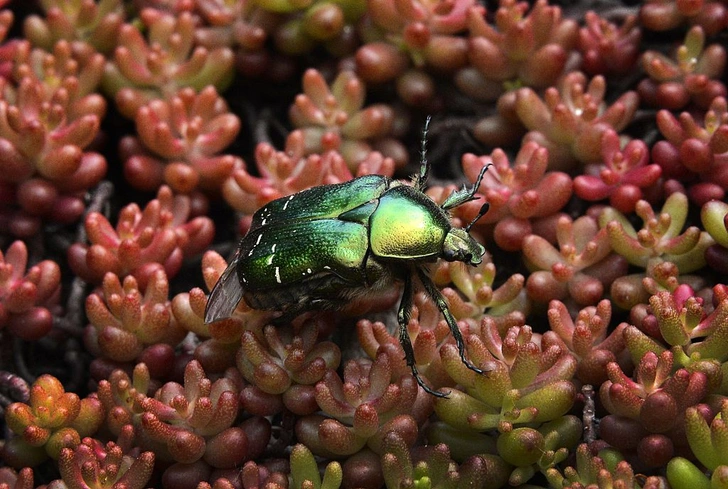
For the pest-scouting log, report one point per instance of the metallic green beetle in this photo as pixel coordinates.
(322, 247)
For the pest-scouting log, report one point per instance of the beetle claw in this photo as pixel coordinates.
(428, 389)
(470, 365)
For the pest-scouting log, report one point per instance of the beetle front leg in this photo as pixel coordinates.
(403, 317)
(432, 291)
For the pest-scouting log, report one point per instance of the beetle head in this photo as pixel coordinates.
(460, 246)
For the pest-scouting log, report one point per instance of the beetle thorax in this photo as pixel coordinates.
(407, 225)
(460, 246)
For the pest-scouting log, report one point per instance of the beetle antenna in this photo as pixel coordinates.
(421, 179)
(483, 210)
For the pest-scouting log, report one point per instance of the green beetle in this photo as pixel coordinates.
(322, 247)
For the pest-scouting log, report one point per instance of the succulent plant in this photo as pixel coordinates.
(431, 465)
(65, 76)
(522, 195)
(157, 238)
(220, 340)
(713, 216)
(580, 269)
(679, 324)
(588, 338)
(305, 472)
(646, 414)
(280, 363)
(47, 120)
(600, 470)
(681, 473)
(334, 118)
(51, 421)
(308, 24)
(624, 175)
(606, 48)
(250, 476)
(706, 437)
(127, 325)
(11, 479)
(521, 48)
(607, 228)
(88, 25)
(524, 384)
(187, 424)
(428, 333)
(94, 465)
(692, 75)
(361, 409)
(287, 172)
(662, 236)
(470, 293)
(179, 141)
(570, 120)
(693, 154)
(530, 450)
(159, 64)
(402, 39)
(243, 25)
(28, 296)
(662, 15)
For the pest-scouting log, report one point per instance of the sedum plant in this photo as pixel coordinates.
(661, 15)
(127, 326)
(49, 115)
(161, 61)
(571, 120)
(286, 172)
(692, 75)
(512, 51)
(521, 193)
(51, 421)
(28, 296)
(334, 118)
(157, 238)
(179, 143)
(89, 26)
(93, 465)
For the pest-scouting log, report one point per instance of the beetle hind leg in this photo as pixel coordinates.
(403, 317)
(432, 291)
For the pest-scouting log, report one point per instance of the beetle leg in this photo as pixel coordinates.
(403, 317)
(432, 291)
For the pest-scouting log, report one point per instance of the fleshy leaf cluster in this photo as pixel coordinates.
(28, 296)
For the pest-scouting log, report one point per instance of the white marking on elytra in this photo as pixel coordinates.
(269, 261)
(257, 242)
(278, 275)
(262, 223)
(286, 204)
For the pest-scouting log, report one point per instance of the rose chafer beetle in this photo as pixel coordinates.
(322, 247)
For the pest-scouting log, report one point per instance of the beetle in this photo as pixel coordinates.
(324, 246)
